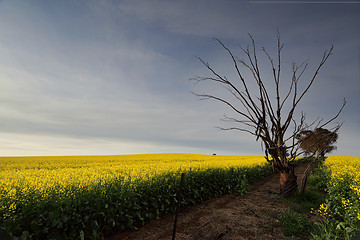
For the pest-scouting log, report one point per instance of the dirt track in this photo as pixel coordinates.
(231, 216)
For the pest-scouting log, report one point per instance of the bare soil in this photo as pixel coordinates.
(250, 216)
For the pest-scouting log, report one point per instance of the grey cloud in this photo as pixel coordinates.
(120, 72)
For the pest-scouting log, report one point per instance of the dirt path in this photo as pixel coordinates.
(231, 216)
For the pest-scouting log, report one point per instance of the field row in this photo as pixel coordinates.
(84, 197)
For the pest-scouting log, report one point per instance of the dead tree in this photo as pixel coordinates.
(267, 117)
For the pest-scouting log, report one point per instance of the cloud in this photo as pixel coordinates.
(114, 75)
(45, 145)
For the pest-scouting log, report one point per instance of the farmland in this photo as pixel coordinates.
(85, 197)
(82, 197)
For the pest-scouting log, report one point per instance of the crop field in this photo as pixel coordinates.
(84, 197)
(340, 213)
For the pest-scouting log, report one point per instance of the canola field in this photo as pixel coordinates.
(84, 197)
(340, 214)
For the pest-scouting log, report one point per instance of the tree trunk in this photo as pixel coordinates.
(304, 181)
(288, 183)
(306, 175)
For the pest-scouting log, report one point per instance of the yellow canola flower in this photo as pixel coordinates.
(44, 175)
(340, 165)
(342, 168)
(346, 170)
(323, 210)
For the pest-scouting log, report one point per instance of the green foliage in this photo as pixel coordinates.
(293, 223)
(320, 178)
(339, 214)
(306, 201)
(90, 212)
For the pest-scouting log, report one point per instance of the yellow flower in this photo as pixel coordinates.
(45, 175)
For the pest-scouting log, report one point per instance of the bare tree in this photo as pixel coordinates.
(261, 114)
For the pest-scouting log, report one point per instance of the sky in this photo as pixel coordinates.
(112, 77)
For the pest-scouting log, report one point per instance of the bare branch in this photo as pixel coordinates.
(326, 55)
(253, 106)
(235, 94)
(260, 114)
(239, 129)
(332, 119)
(208, 96)
(294, 80)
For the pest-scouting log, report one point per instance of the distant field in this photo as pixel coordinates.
(43, 196)
(54, 173)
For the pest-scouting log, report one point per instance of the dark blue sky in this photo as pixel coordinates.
(112, 77)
